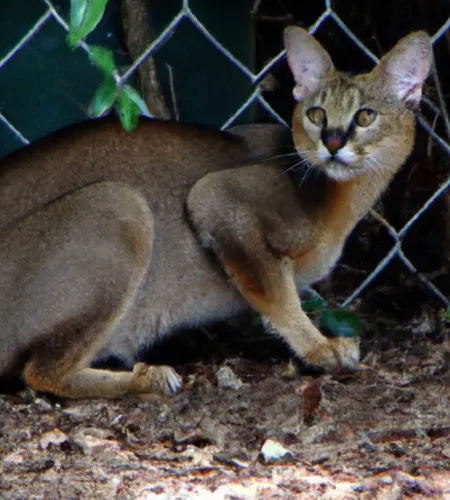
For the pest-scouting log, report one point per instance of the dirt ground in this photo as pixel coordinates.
(246, 427)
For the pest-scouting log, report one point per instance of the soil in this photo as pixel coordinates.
(246, 427)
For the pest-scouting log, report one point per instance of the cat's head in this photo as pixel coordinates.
(346, 125)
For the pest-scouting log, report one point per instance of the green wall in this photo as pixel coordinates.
(46, 85)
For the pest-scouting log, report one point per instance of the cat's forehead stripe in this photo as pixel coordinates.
(341, 93)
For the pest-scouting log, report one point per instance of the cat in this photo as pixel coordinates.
(111, 240)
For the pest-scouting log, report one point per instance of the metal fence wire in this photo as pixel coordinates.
(187, 12)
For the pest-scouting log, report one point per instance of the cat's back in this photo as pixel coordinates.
(157, 157)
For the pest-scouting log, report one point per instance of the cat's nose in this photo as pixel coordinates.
(333, 143)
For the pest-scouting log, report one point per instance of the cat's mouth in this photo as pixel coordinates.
(336, 161)
(336, 168)
(339, 170)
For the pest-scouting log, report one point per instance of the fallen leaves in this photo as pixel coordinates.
(381, 433)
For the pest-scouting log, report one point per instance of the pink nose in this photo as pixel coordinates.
(333, 144)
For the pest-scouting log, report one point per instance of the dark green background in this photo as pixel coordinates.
(46, 85)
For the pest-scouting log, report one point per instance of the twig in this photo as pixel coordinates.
(173, 93)
(255, 7)
(138, 35)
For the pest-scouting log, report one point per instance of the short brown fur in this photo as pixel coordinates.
(104, 234)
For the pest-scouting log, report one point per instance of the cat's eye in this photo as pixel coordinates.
(365, 117)
(316, 115)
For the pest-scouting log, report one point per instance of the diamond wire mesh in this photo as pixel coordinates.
(187, 13)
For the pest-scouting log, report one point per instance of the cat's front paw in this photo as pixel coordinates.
(336, 355)
(324, 358)
(347, 351)
(155, 379)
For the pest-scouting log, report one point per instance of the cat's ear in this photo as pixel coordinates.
(405, 68)
(308, 60)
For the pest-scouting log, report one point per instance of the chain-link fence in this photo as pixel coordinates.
(255, 79)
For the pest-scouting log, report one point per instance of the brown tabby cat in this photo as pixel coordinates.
(104, 233)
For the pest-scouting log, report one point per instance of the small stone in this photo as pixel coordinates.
(395, 493)
(272, 451)
(367, 447)
(15, 458)
(404, 479)
(395, 449)
(28, 395)
(387, 479)
(92, 444)
(227, 379)
(80, 413)
(423, 325)
(290, 371)
(54, 437)
(43, 405)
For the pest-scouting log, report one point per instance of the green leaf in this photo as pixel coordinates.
(134, 96)
(256, 321)
(103, 59)
(104, 98)
(340, 323)
(84, 17)
(447, 314)
(314, 304)
(78, 10)
(128, 111)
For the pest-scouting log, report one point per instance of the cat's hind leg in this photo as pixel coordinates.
(72, 271)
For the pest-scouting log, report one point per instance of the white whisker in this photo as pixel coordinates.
(374, 164)
(281, 156)
(308, 172)
(302, 161)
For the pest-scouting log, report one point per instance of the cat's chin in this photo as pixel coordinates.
(339, 171)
